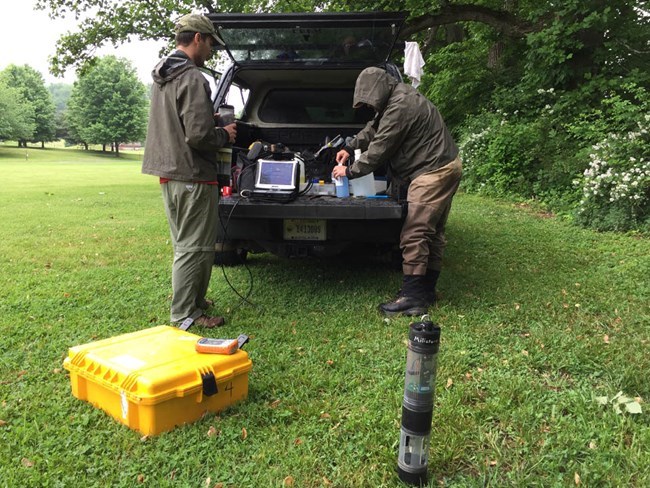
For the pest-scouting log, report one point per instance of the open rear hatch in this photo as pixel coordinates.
(310, 38)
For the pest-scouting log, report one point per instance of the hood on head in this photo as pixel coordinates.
(374, 86)
(170, 67)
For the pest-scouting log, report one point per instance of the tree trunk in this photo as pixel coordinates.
(42, 144)
(103, 147)
(85, 146)
(117, 149)
(494, 55)
(454, 33)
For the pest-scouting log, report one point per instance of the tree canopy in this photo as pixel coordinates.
(108, 104)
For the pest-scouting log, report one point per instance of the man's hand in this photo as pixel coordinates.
(342, 156)
(231, 129)
(339, 171)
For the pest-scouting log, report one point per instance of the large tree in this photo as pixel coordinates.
(116, 21)
(30, 85)
(16, 115)
(108, 104)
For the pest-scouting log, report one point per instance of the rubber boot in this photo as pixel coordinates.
(411, 300)
(430, 281)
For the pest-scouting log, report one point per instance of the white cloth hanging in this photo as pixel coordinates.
(413, 62)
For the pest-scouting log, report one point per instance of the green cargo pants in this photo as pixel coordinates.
(423, 233)
(191, 210)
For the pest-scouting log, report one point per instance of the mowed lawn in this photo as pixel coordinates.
(538, 317)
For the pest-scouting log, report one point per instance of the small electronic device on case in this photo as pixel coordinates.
(208, 345)
(216, 346)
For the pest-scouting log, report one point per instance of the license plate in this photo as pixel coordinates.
(305, 230)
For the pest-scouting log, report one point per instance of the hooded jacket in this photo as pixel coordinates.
(408, 132)
(182, 140)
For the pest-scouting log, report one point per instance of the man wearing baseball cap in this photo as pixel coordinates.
(181, 147)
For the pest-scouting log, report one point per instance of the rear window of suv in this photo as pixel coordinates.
(312, 107)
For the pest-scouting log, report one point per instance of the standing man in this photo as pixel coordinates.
(181, 147)
(409, 134)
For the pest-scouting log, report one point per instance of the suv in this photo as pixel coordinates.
(293, 76)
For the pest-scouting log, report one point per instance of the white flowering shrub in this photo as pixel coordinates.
(616, 184)
(473, 151)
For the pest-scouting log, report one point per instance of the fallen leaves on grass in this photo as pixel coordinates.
(288, 481)
(27, 463)
(606, 339)
(212, 432)
(576, 478)
(3, 423)
(450, 382)
(275, 403)
(244, 433)
(140, 478)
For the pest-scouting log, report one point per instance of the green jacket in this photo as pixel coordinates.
(407, 133)
(182, 140)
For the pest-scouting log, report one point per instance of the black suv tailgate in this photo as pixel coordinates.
(321, 207)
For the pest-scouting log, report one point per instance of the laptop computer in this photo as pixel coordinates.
(276, 180)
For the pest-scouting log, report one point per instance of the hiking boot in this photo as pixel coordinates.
(411, 299)
(210, 322)
(404, 305)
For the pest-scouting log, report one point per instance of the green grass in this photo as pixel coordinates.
(538, 318)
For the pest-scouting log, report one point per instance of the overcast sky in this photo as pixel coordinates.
(28, 36)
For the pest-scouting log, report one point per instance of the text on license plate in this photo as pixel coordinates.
(305, 230)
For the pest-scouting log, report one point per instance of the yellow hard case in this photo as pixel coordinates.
(153, 380)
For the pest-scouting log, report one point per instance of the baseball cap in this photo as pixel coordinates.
(197, 23)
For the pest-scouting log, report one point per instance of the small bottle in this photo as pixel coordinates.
(342, 186)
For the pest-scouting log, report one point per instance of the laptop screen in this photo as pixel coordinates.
(276, 175)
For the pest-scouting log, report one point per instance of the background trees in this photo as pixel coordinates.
(30, 91)
(60, 95)
(108, 105)
(16, 115)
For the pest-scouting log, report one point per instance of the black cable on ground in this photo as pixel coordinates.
(244, 299)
